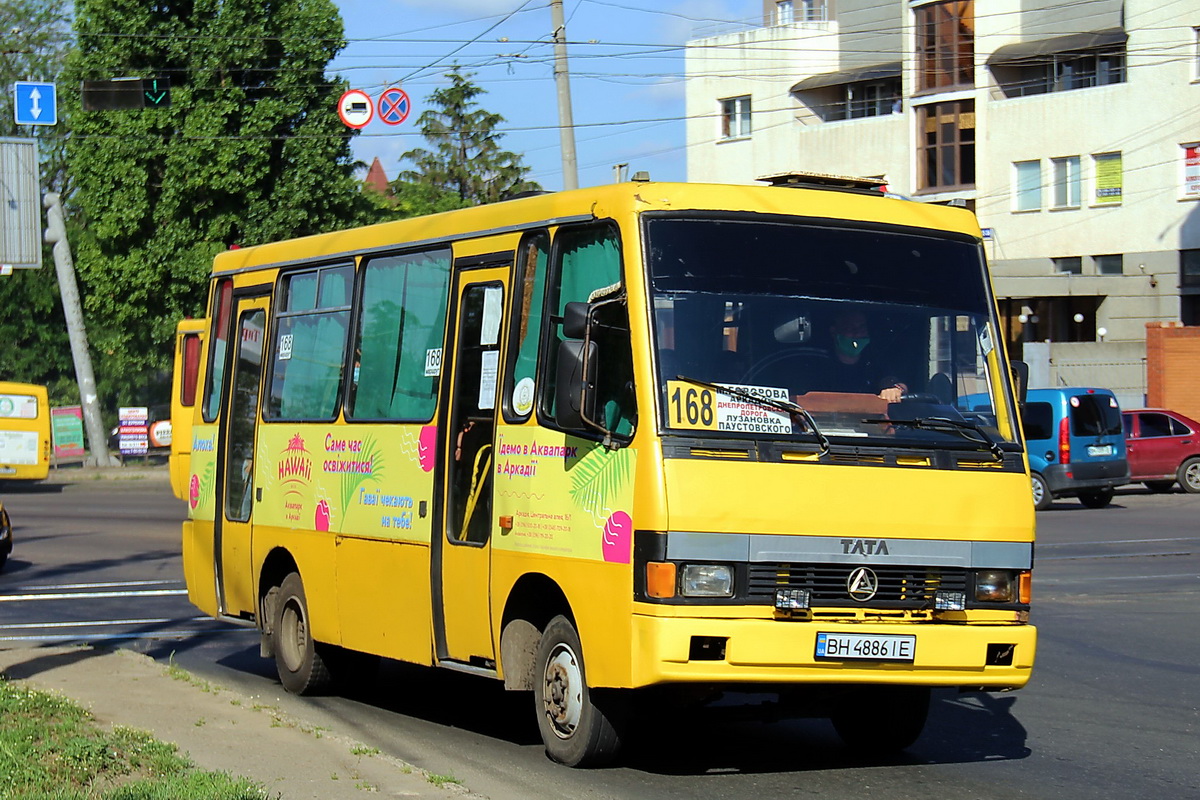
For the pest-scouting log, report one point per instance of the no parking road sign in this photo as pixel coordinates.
(355, 108)
(394, 106)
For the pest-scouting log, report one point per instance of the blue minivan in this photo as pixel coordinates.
(1076, 445)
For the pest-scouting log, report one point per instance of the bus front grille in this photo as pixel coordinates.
(907, 587)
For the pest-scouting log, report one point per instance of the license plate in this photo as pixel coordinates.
(867, 647)
(1100, 449)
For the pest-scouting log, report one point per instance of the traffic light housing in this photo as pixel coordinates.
(124, 94)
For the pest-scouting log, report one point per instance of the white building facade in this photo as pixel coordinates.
(1071, 128)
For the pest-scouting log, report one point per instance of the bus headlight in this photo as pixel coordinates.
(707, 580)
(995, 586)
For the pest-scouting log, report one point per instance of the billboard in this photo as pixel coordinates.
(20, 205)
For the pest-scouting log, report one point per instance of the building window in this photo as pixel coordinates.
(1027, 193)
(1069, 265)
(784, 13)
(1196, 54)
(858, 100)
(1189, 268)
(945, 45)
(1106, 167)
(1067, 186)
(946, 154)
(735, 117)
(1110, 264)
(1061, 72)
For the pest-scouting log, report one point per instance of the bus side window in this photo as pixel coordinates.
(529, 291)
(587, 268)
(219, 336)
(398, 344)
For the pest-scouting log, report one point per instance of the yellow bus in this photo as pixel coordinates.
(189, 339)
(24, 432)
(635, 438)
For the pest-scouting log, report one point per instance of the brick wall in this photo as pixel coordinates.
(1173, 367)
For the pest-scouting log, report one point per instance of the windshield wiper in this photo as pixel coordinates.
(793, 410)
(947, 425)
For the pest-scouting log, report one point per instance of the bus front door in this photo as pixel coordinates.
(235, 481)
(462, 554)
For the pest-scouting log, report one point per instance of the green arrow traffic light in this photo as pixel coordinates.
(157, 91)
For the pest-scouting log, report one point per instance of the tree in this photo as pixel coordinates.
(248, 151)
(466, 160)
(34, 38)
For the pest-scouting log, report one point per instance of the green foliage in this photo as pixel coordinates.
(466, 160)
(34, 38)
(49, 748)
(249, 151)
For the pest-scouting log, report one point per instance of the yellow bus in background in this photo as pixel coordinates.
(189, 339)
(25, 445)
(634, 437)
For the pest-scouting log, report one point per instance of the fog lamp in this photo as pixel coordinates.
(792, 599)
(944, 600)
(995, 586)
(707, 580)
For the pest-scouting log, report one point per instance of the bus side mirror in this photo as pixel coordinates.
(1020, 378)
(574, 392)
(575, 320)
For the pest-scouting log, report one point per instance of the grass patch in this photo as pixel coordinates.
(51, 748)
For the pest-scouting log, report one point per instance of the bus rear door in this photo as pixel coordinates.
(462, 554)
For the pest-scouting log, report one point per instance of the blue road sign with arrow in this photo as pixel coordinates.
(35, 103)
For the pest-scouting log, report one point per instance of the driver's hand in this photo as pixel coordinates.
(892, 394)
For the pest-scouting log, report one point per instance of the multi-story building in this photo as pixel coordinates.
(1072, 128)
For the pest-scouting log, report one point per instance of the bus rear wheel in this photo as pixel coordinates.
(301, 668)
(576, 729)
(881, 719)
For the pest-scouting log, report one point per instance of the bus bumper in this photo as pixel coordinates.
(768, 651)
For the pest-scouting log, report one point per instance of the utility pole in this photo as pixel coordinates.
(566, 123)
(56, 234)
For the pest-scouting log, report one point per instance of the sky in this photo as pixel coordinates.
(625, 60)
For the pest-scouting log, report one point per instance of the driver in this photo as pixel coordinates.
(852, 368)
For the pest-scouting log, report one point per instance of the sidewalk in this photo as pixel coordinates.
(220, 729)
(217, 728)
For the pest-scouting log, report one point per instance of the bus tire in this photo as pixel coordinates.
(301, 668)
(878, 720)
(576, 730)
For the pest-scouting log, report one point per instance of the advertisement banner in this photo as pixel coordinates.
(1191, 170)
(66, 425)
(1109, 181)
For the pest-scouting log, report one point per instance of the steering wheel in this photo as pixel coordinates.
(781, 356)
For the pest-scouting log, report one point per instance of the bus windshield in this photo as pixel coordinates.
(881, 334)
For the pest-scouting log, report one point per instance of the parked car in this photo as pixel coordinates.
(5, 535)
(1076, 445)
(1164, 447)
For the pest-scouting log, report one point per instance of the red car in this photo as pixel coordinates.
(1163, 447)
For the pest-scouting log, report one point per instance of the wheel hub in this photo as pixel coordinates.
(563, 692)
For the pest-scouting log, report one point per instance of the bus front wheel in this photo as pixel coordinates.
(301, 668)
(577, 730)
(881, 719)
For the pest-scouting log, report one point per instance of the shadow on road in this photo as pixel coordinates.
(745, 737)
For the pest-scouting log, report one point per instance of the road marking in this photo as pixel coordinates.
(36, 587)
(16, 598)
(103, 622)
(1112, 555)
(85, 637)
(1115, 541)
(1047, 581)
